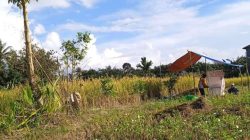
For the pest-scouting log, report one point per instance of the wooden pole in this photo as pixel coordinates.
(160, 69)
(50, 81)
(67, 74)
(206, 72)
(192, 70)
(241, 79)
(206, 65)
(247, 71)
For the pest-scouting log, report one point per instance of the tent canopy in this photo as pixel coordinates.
(184, 62)
(191, 58)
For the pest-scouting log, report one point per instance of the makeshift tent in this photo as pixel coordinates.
(191, 58)
(216, 80)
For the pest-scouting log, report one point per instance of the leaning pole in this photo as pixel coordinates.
(247, 48)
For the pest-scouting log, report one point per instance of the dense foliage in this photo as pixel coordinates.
(13, 65)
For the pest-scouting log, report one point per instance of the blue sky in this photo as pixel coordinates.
(126, 30)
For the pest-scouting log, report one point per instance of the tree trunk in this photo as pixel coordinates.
(73, 68)
(67, 69)
(67, 74)
(29, 58)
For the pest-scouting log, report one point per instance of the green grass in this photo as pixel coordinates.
(124, 116)
(138, 122)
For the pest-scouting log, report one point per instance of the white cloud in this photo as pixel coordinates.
(167, 35)
(39, 29)
(41, 4)
(111, 53)
(74, 26)
(52, 42)
(11, 26)
(98, 59)
(89, 3)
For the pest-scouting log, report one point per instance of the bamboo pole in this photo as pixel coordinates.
(241, 79)
(50, 81)
(206, 65)
(67, 74)
(192, 70)
(247, 71)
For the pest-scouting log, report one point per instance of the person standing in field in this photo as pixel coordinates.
(202, 84)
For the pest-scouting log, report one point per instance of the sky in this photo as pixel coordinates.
(126, 30)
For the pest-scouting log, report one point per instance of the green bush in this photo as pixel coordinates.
(107, 87)
(52, 101)
(170, 84)
(140, 87)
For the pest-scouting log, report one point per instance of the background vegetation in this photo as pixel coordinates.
(116, 103)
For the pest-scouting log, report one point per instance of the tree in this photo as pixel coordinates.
(4, 53)
(45, 63)
(75, 50)
(78, 73)
(126, 67)
(14, 67)
(242, 60)
(160, 71)
(88, 74)
(22, 4)
(145, 65)
(14, 70)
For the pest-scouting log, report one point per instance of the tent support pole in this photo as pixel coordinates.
(192, 71)
(194, 83)
(205, 65)
(247, 73)
(206, 71)
(241, 79)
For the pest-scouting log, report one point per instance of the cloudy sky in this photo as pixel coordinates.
(126, 30)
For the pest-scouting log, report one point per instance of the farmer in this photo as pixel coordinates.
(202, 84)
(233, 89)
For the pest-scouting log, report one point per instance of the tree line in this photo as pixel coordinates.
(13, 65)
(162, 70)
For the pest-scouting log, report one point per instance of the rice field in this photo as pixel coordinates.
(123, 90)
(123, 108)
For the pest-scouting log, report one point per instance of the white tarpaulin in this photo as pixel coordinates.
(216, 82)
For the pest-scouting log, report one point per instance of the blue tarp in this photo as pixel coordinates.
(219, 61)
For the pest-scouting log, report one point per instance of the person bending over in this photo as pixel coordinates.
(233, 89)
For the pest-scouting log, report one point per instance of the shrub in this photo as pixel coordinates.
(140, 87)
(107, 87)
(170, 84)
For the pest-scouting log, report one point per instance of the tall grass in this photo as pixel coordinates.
(131, 89)
(18, 108)
(125, 90)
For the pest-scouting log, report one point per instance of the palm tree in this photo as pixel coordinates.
(145, 65)
(4, 52)
(22, 4)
